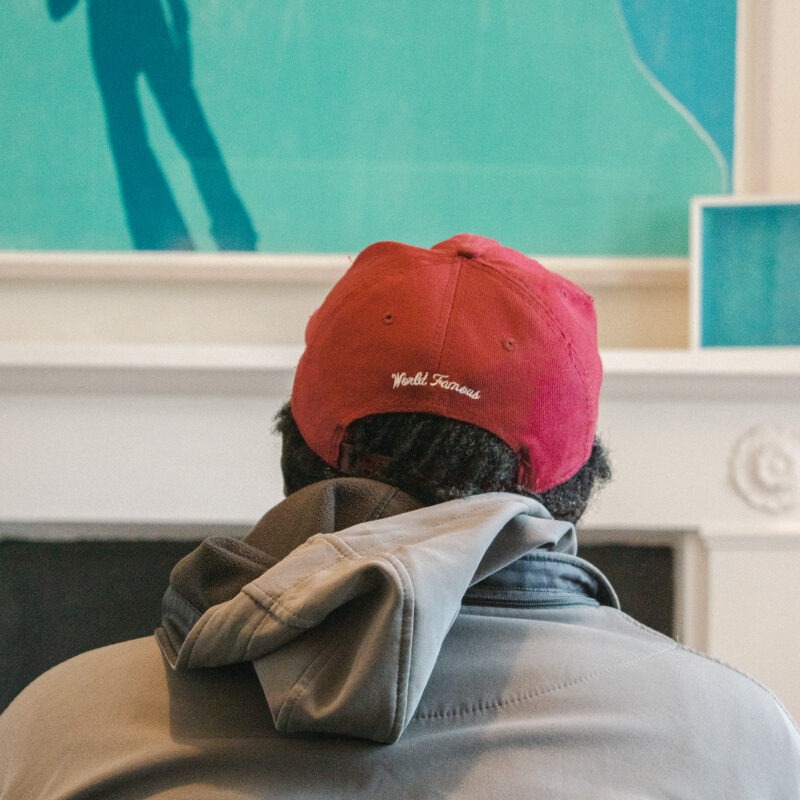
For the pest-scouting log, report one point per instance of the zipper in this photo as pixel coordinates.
(504, 600)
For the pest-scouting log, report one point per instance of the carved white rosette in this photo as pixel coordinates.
(765, 468)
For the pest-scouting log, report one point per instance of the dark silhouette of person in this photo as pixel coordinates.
(129, 38)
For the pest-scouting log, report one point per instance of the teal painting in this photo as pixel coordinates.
(557, 126)
(749, 262)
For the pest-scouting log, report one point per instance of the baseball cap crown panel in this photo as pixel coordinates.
(509, 338)
(383, 322)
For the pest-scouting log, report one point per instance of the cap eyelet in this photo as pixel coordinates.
(510, 344)
(388, 318)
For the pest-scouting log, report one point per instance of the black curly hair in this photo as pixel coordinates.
(433, 459)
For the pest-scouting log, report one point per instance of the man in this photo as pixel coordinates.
(412, 621)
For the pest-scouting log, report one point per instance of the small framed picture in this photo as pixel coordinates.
(745, 263)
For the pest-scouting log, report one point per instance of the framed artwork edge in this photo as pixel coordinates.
(165, 267)
(698, 205)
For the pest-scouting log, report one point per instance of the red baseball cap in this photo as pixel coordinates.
(468, 330)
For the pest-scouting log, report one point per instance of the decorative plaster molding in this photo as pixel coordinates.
(765, 469)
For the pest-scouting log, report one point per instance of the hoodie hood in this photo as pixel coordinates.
(345, 626)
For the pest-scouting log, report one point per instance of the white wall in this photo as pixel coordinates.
(768, 98)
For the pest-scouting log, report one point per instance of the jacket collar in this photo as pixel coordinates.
(545, 578)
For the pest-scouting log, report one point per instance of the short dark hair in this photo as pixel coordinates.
(433, 459)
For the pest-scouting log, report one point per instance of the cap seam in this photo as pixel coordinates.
(452, 289)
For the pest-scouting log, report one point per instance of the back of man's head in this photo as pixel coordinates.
(451, 371)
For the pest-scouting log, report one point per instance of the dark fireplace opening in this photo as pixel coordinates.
(643, 577)
(59, 598)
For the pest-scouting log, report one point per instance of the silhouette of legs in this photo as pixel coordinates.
(154, 221)
(230, 224)
(129, 38)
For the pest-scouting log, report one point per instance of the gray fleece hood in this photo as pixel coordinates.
(344, 629)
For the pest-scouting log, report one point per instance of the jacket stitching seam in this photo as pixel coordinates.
(494, 705)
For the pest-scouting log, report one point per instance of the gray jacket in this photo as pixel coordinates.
(355, 645)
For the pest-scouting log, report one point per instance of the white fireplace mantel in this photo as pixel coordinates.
(676, 422)
(705, 447)
(749, 373)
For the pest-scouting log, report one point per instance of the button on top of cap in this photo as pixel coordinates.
(466, 245)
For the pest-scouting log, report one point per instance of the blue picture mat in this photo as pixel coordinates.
(750, 275)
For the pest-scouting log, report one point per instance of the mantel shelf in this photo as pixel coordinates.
(192, 369)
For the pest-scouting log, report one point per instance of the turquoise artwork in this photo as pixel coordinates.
(749, 274)
(560, 127)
